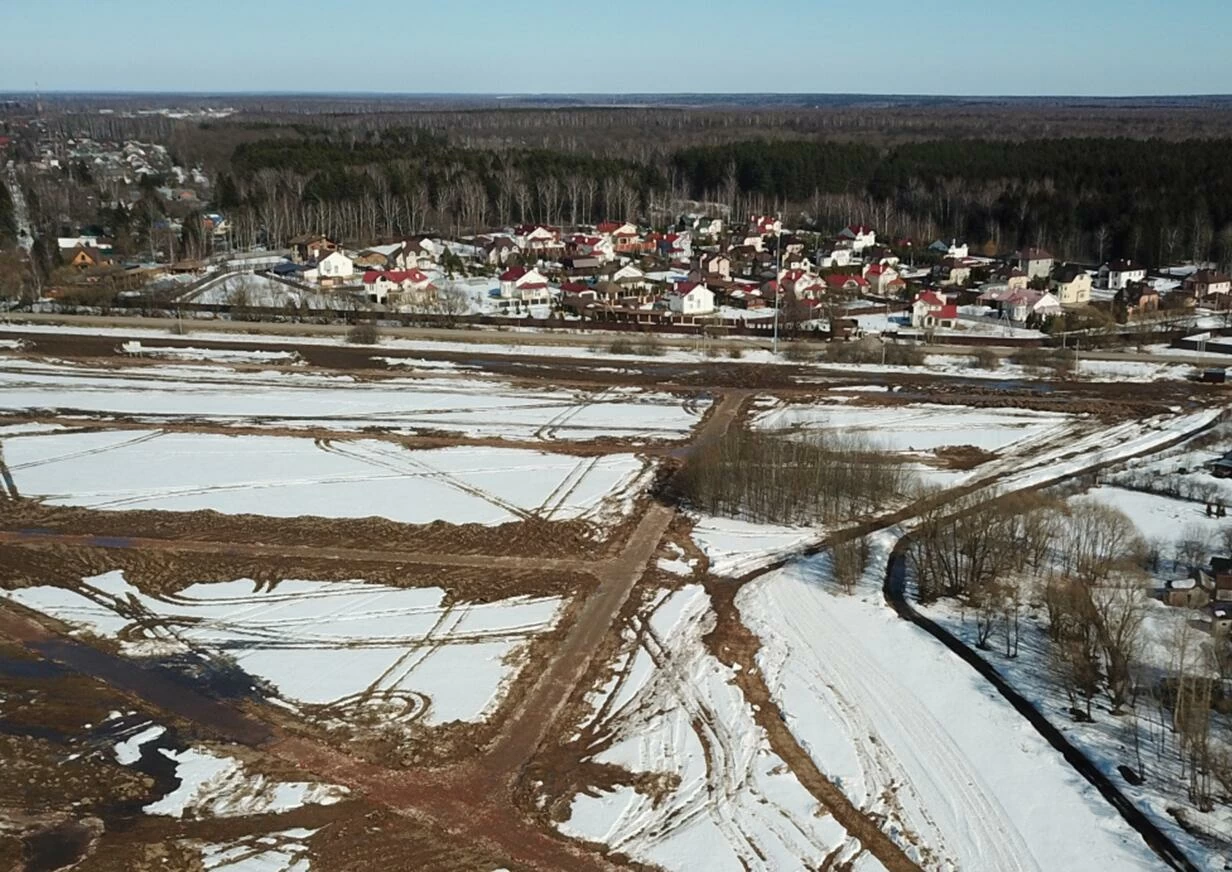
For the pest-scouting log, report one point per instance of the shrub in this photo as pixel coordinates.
(364, 333)
(650, 348)
(621, 345)
(799, 353)
(735, 352)
(985, 358)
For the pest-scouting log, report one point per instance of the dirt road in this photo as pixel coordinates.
(36, 538)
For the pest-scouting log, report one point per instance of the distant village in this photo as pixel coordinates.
(704, 270)
(750, 275)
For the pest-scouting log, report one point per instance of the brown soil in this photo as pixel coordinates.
(962, 456)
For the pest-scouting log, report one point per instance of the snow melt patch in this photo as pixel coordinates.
(212, 785)
(737, 547)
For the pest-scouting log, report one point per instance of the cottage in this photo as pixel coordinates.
(1137, 298)
(953, 248)
(846, 284)
(310, 247)
(1035, 262)
(691, 298)
(718, 265)
(859, 235)
(952, 271)
(1207, 282)
(1186, 593)
(835, 256)
(1117, 275)
(1072, 285)
(499, 251)
(931, 309)
(335, 266)
(84, 257)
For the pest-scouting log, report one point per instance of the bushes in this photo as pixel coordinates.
(364, 333)
(985, 358)
(872, 351)
(646, 346)
(1060, 361)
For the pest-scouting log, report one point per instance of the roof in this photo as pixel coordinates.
(513, 274)
(932, 298)
(1068, 272)
(1209, 277)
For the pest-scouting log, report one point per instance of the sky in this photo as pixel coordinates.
(967, 47)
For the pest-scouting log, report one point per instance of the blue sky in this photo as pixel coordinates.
(1079, 47)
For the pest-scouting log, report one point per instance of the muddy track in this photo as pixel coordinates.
(735, 644)
(36, 538)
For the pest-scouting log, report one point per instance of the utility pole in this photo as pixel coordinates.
(778, 272)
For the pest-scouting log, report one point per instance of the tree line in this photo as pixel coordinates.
(1082, 565)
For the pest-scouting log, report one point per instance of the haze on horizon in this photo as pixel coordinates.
(1037, 48)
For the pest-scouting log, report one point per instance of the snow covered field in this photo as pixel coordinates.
(922, 427)
(410, 652)
(282, 476)
(466, 406)
(908, 730)
(673, 710)
(737, 547)
(1160, 518)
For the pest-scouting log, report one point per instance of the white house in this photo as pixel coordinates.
(526, 285)
(859, 235)
(953, 248)
(1117, 275)
(691, 298)
(335, 266)
(708, 226)
(931, 309)
(714, 265)
(836, 256)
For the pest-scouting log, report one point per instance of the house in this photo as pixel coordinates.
(884, 281)
(1116, 275)
(704, 226)
(310, 247)
(846, 284)
(1221, 618)
(499, 250)
(953, 248)
(630, 277)
(623, 236)
(1021, 305)
(372, 258)
(1138, 297)
(416, 252)
(952, 271)
(1186, 593)
(691, 298)
(859, 235)
(1072, 285)
(835, 256)
(1035, 262)
(398, 286)
(717, 265)
(765, 225)
(1221, 468)
(540, 240)
(524, 287)
(84, 257)
(1206, 282)
(335, 266)
(931, 309)
(1011, 278)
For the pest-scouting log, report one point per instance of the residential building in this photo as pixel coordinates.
(932, 309)
(883, 280)
(1116, 275)
(1035, 262)
(1207, 282)
(1072, 285)
(335, 266)
(952, 271)
(715, 265)
(859, 235)
(691, 298)
(1137, 298)
(311, 247)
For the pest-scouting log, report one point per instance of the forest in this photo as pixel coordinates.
(1091, 183)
